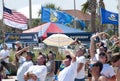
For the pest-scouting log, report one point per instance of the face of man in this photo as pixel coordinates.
(50, 56)
(79, 51)
(40, 60)
(28, 57)
(67, 62)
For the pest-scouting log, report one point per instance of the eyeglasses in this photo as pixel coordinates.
(91, 65)
(102, 57)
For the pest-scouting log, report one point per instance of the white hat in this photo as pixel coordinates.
(17, 42)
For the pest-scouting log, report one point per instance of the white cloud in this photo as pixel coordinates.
(35, 10)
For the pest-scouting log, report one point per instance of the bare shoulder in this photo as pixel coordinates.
(118, 74)
(102, 78)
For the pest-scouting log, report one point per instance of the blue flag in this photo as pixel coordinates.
(50, 15)
(108, 17)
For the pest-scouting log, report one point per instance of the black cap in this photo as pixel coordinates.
(31, 54)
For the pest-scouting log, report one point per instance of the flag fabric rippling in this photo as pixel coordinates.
(14, 19)
(51, 15)
(108, 17)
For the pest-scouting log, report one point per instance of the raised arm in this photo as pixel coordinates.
(18, 53)
(92, 46)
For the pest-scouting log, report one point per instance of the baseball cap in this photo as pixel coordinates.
(31, 54)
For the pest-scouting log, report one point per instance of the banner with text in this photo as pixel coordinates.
(83, 36)
(23, 37)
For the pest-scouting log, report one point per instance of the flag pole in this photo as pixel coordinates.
(119, 18)
(30, 14)
(2, 8)
(3, 23)
(74, 14)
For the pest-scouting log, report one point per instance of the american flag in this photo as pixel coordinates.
(14, 19)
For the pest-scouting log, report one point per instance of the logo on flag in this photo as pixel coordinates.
(112, 17)
(108, 17)
(50, 15)
(14, 19)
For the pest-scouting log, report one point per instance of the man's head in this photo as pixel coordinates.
(51, 55)
(67, 60)
(5, 46)
(30, 56)
(80, 51)
(41, 59)
(18, 43)
(115, 60)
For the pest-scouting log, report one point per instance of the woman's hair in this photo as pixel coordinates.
(103, 54)
(98, 64)
(115, 57)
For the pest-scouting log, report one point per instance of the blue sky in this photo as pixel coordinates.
(111, 5)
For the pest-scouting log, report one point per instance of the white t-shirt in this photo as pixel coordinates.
(95, 58)
(22, 69)
(39, 70)
(22, 59)
(68, 73)
(4, 54)
(107, 71)
(81, 74)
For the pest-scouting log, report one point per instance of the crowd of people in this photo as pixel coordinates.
(103, 63)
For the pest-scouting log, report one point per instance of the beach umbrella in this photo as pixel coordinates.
(58, 40)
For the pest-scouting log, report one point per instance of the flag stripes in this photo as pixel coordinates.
(14, 16)
(14, 19)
